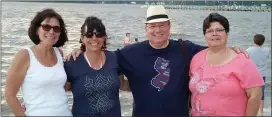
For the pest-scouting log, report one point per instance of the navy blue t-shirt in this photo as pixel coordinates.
(95, 92)
(158, 78)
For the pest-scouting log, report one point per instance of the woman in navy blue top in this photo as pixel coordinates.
(93, 77)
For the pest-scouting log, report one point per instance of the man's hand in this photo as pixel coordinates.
(75, 53)
(239, 50)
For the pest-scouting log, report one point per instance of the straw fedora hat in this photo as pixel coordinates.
(156, 13)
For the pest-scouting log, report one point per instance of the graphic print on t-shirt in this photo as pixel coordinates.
(202, 86)
(98, 100)
(162, 67)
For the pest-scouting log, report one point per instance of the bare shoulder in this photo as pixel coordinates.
(61, 51)
(21, 57)
(22, 54)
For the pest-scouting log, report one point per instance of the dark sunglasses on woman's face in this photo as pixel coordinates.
(47, 27)
(97, 34)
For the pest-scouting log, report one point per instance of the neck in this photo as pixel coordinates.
(255, 45)
(94, 56)
(44, 50)
(159, 45)
(217, 50)
(94, 59)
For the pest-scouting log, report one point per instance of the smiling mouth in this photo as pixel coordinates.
(158, 35)
(94, 44)
(49, 37)
(217, 39)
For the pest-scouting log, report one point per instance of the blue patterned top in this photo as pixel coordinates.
(95, 92)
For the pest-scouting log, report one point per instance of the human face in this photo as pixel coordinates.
(216, 36)
(49, 31)
(158, 33)
(93, 41)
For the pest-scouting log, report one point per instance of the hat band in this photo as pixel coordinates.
(156, 17)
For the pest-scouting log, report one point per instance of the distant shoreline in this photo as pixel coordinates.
(164, 2)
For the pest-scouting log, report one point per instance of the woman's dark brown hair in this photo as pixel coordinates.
(215, 17)
(93, 23)
(36, 23)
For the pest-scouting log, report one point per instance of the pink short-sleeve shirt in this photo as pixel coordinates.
(220, 90)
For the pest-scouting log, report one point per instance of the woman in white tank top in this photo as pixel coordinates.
(39, 70)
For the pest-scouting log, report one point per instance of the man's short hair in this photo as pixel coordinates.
(259, 39)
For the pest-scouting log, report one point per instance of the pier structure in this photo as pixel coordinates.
(249, 6)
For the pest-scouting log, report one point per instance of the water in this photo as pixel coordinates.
(118, 20)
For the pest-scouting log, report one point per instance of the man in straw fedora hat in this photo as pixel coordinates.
(157, 69)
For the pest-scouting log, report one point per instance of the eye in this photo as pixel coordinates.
(152, 27)
(221, 30)
(209, 31)
(162, 26)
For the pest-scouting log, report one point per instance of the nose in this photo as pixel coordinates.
(157, 29)
(94, 36)
(51, 30)
(214, 33)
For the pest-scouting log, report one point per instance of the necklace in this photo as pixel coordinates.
(101, 61)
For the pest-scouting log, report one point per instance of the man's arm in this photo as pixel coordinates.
(195, 48)
(124, 83)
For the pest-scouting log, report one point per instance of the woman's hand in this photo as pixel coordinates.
(75, 53)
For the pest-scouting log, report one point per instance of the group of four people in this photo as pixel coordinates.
(162, 73)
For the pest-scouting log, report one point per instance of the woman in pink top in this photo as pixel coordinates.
(223, 83)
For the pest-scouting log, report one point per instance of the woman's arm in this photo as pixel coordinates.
(15, 78)
(124, 83)
(254, 98)
(251, 81)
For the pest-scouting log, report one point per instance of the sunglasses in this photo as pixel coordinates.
(97, 34)
(47, 27)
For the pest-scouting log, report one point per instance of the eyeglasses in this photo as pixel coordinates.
(97, 34)
(47, 27)
(216, 30)
(152, 27)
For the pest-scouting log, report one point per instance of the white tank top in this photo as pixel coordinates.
(43, 88)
